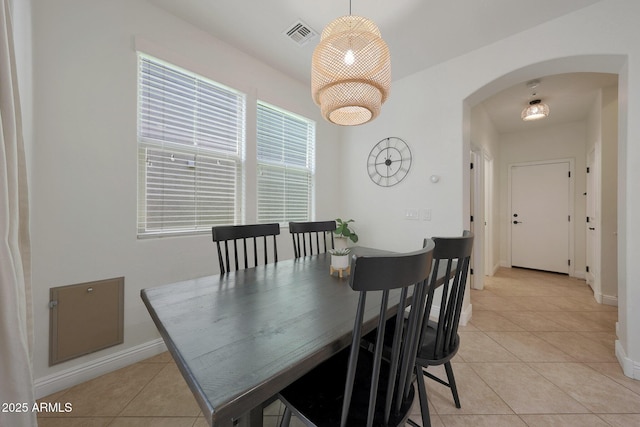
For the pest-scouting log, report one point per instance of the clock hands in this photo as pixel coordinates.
(387, 162)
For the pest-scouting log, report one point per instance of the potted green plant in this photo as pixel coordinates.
(339, 258)
(344, 232)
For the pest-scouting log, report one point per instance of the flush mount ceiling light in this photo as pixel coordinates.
(536, 109)
(350, 71)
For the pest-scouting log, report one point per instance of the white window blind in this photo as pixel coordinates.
(286, 165)
(191, 135)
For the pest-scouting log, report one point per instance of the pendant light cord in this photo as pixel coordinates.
(349, 7)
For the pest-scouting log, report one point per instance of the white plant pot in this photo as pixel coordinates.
(339, 261)
(340, 242)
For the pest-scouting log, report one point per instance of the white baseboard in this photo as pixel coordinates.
(78, 374)
(580, 274)
(495, 268)
(465, 316)
(629, 367)
(609, 300)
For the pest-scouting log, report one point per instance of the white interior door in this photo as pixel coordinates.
(540, 216)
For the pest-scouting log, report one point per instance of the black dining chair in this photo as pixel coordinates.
(361, 388)
(439, 340)
(255, 233)
(308, 236)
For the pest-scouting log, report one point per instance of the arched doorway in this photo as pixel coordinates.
(599, 64)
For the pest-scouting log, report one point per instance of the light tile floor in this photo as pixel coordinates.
(538, 352)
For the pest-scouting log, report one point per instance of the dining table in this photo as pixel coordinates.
(239, 338)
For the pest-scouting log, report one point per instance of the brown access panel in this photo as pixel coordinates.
(84, 318)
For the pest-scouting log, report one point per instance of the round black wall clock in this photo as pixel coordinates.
(389, 161)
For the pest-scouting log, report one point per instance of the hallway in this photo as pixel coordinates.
(539, 351)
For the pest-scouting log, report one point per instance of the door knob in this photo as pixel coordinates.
(517, 222)
(591, 228)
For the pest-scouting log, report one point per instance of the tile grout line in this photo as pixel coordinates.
(124, 407)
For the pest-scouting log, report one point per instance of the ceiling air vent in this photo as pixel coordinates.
(300, 33)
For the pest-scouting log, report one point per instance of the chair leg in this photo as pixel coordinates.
(422, 394)
(452, 384)
(286, 417)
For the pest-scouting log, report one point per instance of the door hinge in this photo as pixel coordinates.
(471, 165)
(569, 218)
(588, 169)
(587, 268)
(471, 270)
(587, 219)
(53, 303)
(568, 262)
(569, 173)
(471, 218)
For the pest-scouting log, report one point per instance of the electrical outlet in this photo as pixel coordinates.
(426, 214)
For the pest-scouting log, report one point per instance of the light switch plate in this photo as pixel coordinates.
(411, 214)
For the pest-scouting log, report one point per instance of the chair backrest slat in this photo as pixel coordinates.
(395, 357)
(234, 233)
(306, 237)
(353, 359)
(413, 328)
(377, 360)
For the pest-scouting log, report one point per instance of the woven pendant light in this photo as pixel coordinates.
(350, 71)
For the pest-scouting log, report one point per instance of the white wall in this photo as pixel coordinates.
(85, 155)
(565, 141)
(483, 132)
(486, 138)
(417, 113)
(602, 138)
(609, 195)
(431, 111)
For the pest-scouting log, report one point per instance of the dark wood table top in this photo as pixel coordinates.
(241, 337)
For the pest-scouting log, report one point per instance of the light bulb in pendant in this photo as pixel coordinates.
(349, 57)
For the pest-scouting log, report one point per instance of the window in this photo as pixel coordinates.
(191, 136)
(286, 168)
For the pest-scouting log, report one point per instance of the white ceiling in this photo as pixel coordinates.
(420, 34)
(569, 97)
